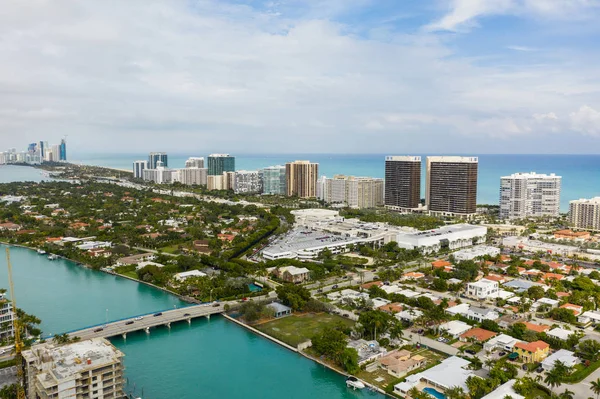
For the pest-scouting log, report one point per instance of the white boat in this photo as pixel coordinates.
(354, 383)
(52, 257)
(41, 252)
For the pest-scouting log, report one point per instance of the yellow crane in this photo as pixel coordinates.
(17, 328)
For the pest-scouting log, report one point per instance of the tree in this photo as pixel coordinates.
(348, 359)
(252, 311)
(567, 395)
(595, 386)
(564, 315)
(294, 296)
(555, 376)
(490, 325)
(455, 393)
(375, 322)
(396, 331)
(589, 350)
(536, 292)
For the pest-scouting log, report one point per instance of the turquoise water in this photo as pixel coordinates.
(434, 393)
(209, 359)
(581, 173)
(68, 297)
(10, 173)
(253, 287)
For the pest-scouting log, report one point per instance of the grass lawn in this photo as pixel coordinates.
(131, 274)
(296, 329)
(172, 249)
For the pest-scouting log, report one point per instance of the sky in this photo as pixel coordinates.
(302, 76)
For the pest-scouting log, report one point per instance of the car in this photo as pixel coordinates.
(346, 315)
(539, 370)
(216, 305)
(320, 290)
(470, 351)
(525, 367)
(501, 353)
(129, 322)
(138, 318)
(345, 277)
(98, 329)
(334, 286)
(186, 314)
(157, 314)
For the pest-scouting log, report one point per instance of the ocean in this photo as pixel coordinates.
(580, 173)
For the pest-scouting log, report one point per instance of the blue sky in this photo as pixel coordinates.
(349, 76)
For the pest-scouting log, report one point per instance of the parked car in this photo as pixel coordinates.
(186, 314)
(334, 286)
(216, 305)
(157, 314)
(138, 318)
(98, 329)
(346, 315)
(129, 322)
(470, 351)
(501, 353)
(320, 290)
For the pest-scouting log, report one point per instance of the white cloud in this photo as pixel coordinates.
(586, 120)
(229, 77)
(463, 14)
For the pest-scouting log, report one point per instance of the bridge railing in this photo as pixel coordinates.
(127, 318)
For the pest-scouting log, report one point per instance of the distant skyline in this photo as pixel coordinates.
(302, 76)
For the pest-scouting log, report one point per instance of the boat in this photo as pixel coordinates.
(354, 383)
(52, 257)
(41, 252)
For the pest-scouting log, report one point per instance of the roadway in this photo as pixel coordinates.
(148, 321)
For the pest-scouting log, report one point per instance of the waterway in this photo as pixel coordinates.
(12, 173)
(207, 359)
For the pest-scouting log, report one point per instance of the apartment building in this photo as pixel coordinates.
(273, 180)
(138, 169)
(191, 176)
(529, 195)
(301, 179)
(85, 369)
(451, 185)
(247, 181)
(155, 157)
(585, 214)
(354, 192)
(220, 163)
(402, 182)
(482, 289)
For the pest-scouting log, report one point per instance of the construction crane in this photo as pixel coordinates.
(17, 328)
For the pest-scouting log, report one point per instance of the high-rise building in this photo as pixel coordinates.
(138, 169)
(41, 148)
(85, 369)
(6, 318)
(225, 181)
(159, 175)
(273, 180)
(301, 178)
(63, 151)
(195, 162)
(191, 176)
(529, 195)
(451, 185)
(155, 157)
(585, 214)
(219, 163)
(402, 182)
(354, 192)
(247, 181)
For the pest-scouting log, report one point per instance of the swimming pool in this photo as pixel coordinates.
(254, 288)
(434, 393)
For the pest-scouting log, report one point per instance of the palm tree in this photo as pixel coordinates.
(414, 393)
(567, 395)
(489, 364)
(455, 393)
(553, 378)
(396, 331)
(595, 386)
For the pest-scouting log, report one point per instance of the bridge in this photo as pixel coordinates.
(145, 322)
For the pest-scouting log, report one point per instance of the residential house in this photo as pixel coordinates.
(190, 273)
(367, 350)
(548, 302)
(141, 265)
(413, 276)
(280, 310)
(537, 328)
(482, 289)
(451, 372)
(455, 328)
(292, 274)
(501, 342)
(477, 334)
(9, 226)
(576, 309)
(591, 316)
(400, 363)
(409, 315)
(481, 314)
(505, 390)
(392, 308)
(461, 309)
(560, 333)
(566, 357)
(532, 352)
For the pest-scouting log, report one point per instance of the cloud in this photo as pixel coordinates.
(586, 120)
(521, 48)
(290, 76)
(464, 14)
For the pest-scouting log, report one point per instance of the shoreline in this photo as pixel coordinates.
(86, 266)
(301, 353)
